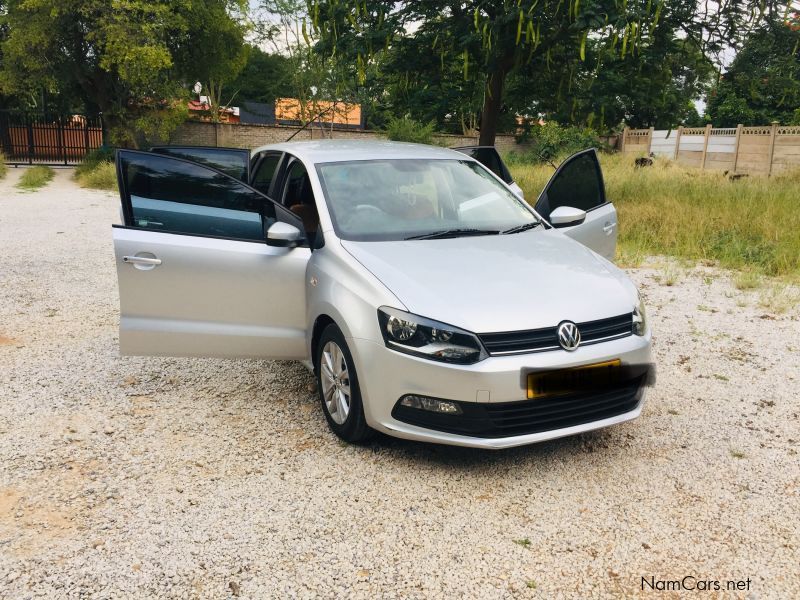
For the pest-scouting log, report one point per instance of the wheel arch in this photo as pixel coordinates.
(320, 323)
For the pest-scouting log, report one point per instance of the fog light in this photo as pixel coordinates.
(431, 404)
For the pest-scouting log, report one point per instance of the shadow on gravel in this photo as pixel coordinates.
(450, 457)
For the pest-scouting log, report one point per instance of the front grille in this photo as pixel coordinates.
(542, 340)
(508, 419)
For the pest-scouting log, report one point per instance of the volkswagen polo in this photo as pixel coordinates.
(431, 301)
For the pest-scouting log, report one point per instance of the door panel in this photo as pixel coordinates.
(578, 183)
(210, 297)
(598, 231)
(231, 161)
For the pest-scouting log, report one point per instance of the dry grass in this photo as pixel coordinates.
(668, 209)
(747, 280)
(779, 298)
(99, 176)
(35, 177)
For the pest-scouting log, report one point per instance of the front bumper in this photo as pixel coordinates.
(385, 375)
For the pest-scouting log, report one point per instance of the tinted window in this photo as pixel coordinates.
(578, 183)
(232, 161)
(297, 189)
(166, 194)
(265, 172)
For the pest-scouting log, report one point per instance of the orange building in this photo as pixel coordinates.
(338, 113)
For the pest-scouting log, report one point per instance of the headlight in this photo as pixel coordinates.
(423, 337)
(639, 318)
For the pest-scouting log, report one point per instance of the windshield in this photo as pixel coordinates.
(397, 199)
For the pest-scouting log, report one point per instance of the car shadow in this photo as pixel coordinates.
(438, 455)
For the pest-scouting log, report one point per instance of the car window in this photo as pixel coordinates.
(265, 172)
(232, 161)
(578, 183)
(298, 197)
(172, 195)
(297, 186)
(398, 198)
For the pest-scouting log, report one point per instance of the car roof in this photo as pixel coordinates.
(323, 151)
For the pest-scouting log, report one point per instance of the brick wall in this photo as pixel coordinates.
(237, 135)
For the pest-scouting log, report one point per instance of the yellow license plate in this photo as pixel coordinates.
(567, 381)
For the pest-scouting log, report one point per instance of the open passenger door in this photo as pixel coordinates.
(575, 200)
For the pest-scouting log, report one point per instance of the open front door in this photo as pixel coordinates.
(231, 161)
(196, 276)
(578, 183)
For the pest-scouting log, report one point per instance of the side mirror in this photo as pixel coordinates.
(283, 235)
(566, 216)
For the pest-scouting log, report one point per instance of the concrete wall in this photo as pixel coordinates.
(765, 150)
(237, 135)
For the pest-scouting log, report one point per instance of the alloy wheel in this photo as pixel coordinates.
(335, 380)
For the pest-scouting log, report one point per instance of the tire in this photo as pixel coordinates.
(344, 411)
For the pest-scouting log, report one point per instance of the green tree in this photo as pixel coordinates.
(656, 85)
(212, 50)
(763, 82)
(264, 78)
(128, 60)
(493, 43)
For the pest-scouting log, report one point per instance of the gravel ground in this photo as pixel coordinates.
(186, 478)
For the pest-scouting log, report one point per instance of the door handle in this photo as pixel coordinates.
(609, 227)
(141, 260)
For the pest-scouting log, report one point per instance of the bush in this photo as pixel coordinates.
(94, 158)
(103, 176)
(552, 142)
(3, 166)
(35, 177)
(406, 129)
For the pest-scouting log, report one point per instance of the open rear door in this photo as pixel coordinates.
(578, 183)
(489, 157)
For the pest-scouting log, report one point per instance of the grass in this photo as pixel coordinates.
(752, 224)
(747, 280)
(99, 176)
(779, 298)
(670, 275)
(35, 177)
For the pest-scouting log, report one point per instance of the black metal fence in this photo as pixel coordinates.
(48, 139)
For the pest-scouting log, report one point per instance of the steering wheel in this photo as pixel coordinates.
(368, 209)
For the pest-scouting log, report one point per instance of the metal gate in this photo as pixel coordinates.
(48, 139)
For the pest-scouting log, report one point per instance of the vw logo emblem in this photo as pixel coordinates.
(568, 336)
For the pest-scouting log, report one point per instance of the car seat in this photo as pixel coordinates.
(302, 198)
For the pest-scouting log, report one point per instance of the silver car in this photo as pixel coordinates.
(431, 301)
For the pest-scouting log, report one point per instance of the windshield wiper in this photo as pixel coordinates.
(524, 227)
(447, 233)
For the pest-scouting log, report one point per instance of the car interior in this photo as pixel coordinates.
(298, 197)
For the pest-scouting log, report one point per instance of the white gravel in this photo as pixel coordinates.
(185, 478)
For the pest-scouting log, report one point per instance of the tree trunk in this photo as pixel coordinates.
(492, 102)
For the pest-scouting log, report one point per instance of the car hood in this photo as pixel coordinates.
(499, 283)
